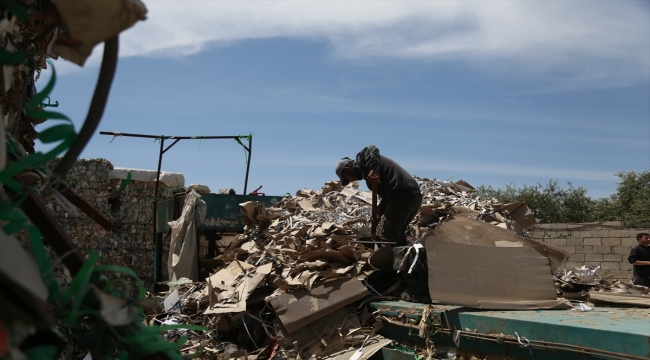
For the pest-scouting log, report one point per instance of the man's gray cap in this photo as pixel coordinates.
(339, 169)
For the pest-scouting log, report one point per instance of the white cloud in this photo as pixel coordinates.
(573, 43)
(507, 170)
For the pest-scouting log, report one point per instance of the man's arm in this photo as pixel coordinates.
(633, 259)
(641, 263)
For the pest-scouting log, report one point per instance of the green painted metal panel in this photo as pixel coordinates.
(164, 214)
(388, 353)
(223, 214)
(625, 331)
(604, 333)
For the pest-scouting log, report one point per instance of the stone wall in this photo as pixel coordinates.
(131, 242)
(606, 244)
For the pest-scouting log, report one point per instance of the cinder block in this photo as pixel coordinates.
(559, 242)
(583, 234)
(619, 233)
(621, 274)
(584, 249)
(623, 250)
(536, 234)
(600, 233)
(592, 241)
(569, 249)
(602, 249)
(568, 234)
(592, 263)
(631, 242)
(611, 257)
(573, 241)
(625, 265)
(577, 257)
(611, 241)
(610, 265)
(593, 257)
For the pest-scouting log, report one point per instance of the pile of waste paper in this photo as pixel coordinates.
(294, 284)
(587, 285)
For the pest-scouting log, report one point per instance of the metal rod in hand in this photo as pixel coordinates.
(373, 229)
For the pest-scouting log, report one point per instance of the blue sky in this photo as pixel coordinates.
(491, 92)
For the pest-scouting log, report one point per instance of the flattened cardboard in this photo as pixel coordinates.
(349, 192)
(489, 277)
(612, 298)
(309, 204)
(329, 256)
(232, 285)
(522, 216)
(465, 230)
(90, 22)
(301, 307)
(314, 331)
(463, 185)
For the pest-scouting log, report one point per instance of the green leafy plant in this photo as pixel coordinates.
(80, 306)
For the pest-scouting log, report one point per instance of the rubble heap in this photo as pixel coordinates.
(312, 251)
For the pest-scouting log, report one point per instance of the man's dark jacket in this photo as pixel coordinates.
(641, 272)
(395, 181)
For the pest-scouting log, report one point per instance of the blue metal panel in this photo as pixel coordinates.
(604, 333)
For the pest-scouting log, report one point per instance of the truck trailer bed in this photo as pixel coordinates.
(602, 333)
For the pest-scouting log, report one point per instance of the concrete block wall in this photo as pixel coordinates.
(131, 242)
(606, 244)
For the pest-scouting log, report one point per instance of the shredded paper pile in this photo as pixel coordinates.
(294, 283)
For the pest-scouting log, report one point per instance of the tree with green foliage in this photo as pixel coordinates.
(631, 203)
(551, 203)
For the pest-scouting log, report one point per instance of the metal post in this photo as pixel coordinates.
(248, 162)
(158, 244)
(157, 260)
(374, 221)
